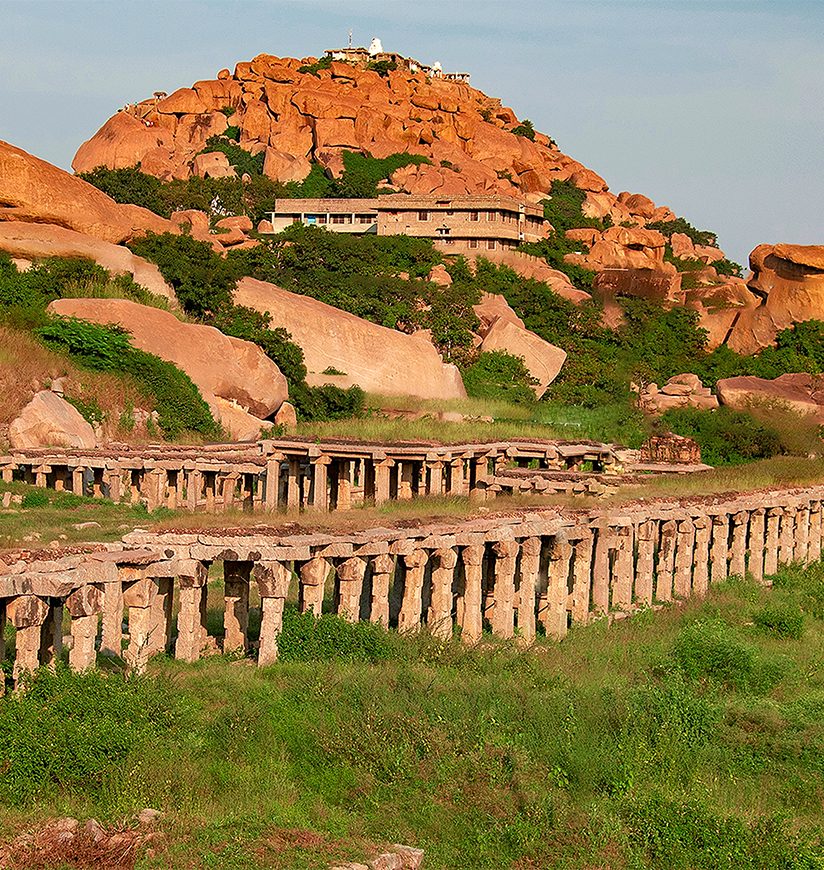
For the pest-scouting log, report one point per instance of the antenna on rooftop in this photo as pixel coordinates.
(350, 37)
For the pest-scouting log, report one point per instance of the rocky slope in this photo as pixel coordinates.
(298, 118)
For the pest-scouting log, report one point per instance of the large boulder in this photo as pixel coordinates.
(36, 241)
(680, 391)
(219, 365)
(378, 359)
(35, 191)
(789, 282)
(799, 392)
(49, 421)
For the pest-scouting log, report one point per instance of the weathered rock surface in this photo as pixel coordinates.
(799, 392)
(788, 281)
(220, 365)
(378, 359)
(238, 423)
(49, 421)
(35, 191)
(502, 329)
(680, 391)
(35, 241)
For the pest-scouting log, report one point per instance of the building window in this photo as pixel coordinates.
(448, 241)
(492, 216)
(473, 243)
(367, 218)
(423, 215)
(341, 218)
(322, 218)
(474, 216)
(490, 244)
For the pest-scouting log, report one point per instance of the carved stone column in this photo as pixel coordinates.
(600, 571)
(582, 578)
(802, 534)
(320, 483)
(27, 613)
(755, 560)
(273, 583)
(409, 619)
(383, 567)
(684, 559)
(771, 543)
(719, 548)
(435, 477)
(313, 576)
(623, 569)
(406, 476)
(191, 621)
(236, 578)
(554, 618)
(786, 537)
(51, 635)
(645, 566)
(529, 568)
(84, 605)
(665, 569)
(272, 485)
(701, 557)
(814, 539)
(503, 616)
(472, 626)
(350, 588)
(383, 470)
(738, 550)
(293, 485)
(439, 616)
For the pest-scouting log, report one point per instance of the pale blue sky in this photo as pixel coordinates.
(713, 108)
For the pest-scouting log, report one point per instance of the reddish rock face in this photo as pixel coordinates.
(244, 375)
(802, 393)
(49, 421)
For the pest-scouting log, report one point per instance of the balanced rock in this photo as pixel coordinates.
(218, 364)
(378, 359)
(50, 421)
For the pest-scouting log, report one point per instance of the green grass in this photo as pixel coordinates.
(688, 738)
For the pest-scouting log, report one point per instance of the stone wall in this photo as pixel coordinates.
(515, 576)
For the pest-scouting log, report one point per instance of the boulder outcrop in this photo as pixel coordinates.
(799, 392)
(33, 190)
(502, 329)
(378, 359)
(219, 365)
(36, 241)
(50, 421)
(680, 391)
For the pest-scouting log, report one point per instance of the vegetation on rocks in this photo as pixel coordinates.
(686, 739)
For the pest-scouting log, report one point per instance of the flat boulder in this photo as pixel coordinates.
(378, 359)
(49, 421)
(37, 241)
(799, 392)
(218, 364)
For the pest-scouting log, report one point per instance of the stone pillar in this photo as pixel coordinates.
(439, 616)
(786, 538)
(771, 543)
(313, 576)
(320, 483)
(344, 486)
(293, 485)
(529, 567)
(435, 478)
(155, 484)
(350, 587)
(582, 578)
(600, 571)
(472, 626)
(272, 483)
(83, 605)
(755, 558)
(115, 484)
(194, 485)
(383, 567)
(229, 485)
(623, 569)
(503, 615)
(802, 534)
(191, 624)
(684, 559)
(147, 628)
(406, 476)
(382, 473)
(8, 473)
(457, 484)
(111, 642)
(645, 565)
(701, 556)
(51, 636)
(814, 538)
(554, 617)
(77, 480)
(236, 576)
(665, 569)
(738, 547)
(160, 640)
(273, 580)
(719, 548)
(41, 473)
(27, 613)
(409, 618)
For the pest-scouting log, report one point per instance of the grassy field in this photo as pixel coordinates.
(688, 738)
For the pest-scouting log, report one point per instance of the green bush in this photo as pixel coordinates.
(499, 375)
(35, 498)
(525, 129)
(681, 225)
(725, 437)
(782, 620)
(563, 208)
(315, 68)
(382, 67)
(179, 405)
(711, 649)
(129, 186)
(243, 161)
(307, 638)
(327, 402)
(70, 732)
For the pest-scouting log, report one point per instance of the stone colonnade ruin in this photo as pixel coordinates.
(516, 576)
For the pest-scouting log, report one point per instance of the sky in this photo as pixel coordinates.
(715, 109)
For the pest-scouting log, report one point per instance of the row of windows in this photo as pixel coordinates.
(489, 244)
(474, 216)
(322, 219)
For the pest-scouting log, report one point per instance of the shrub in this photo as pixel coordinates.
(563, 208)
(382, 67)
(315, 68)
(307, 638)
(327, 402)
(725, 437)
(35, 498)
(782, 620)
(499, 375)
(681, 225)
(179, 405)
(525, 129)
(711, 649)
(129, 186)
(242, 160)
